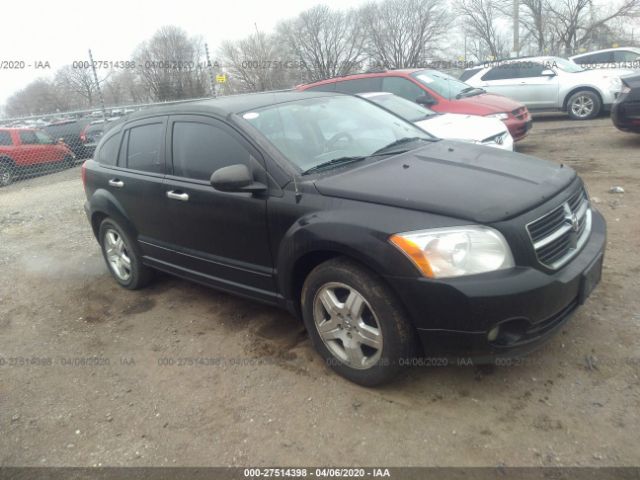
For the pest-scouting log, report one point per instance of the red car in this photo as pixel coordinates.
(439, 91)
(29, 149)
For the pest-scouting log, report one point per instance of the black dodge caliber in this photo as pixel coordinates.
(391, 245)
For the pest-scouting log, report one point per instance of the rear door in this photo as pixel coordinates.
(33, 150)
(219, 237)
(136, 181)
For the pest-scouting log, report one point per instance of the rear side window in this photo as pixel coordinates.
(28, 137)
(199, 149)
(402, 87)
(360, 85)
(5, 138)
(625, 56)
(144, 148)
(108, 154)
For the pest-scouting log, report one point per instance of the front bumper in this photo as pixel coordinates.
(453, 317)
(519, 128)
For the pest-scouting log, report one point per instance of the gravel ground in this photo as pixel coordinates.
(92, 374)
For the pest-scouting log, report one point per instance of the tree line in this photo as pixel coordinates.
(322, 42)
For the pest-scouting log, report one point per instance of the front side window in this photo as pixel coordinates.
(402, 87)
(43, 138)
(145, 147)
(199, 149)
(313, 131)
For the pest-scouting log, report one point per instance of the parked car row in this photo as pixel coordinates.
(25, 149)
(388, 243)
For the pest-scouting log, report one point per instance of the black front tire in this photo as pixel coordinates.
(382, 311)
(134, 274)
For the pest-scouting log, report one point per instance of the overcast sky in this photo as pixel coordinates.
(62, 31)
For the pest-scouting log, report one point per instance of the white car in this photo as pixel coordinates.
(621, 57)
(551, 84)
(452, 126)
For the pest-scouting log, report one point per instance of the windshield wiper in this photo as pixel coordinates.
(333, 162)
(397, 143)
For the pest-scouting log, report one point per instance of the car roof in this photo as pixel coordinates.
(354, 76)
(230, 104)
(604, 50)
(503, 61)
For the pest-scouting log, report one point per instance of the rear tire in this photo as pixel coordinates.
(123, 256)
(584, 105)
(7, 174)
(356, 323)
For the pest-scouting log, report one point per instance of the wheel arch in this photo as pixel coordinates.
(575, 90)
(104, 205)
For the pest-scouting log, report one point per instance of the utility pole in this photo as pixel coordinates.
(212, 85)
(95, 79)
(516, 28)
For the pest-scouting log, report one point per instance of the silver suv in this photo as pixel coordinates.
(551, 84)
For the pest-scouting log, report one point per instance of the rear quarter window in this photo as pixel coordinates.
(108, 153)
(5, 139)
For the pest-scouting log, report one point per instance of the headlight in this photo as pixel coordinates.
(455, 251)
(499, 116)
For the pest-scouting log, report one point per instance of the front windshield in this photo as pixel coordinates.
(443, 84)
(317, 130)
(566, 65)
(402, 107)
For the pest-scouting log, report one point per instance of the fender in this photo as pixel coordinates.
(316, 232)
(104, 202)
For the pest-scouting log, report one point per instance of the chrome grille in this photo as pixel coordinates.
(558, 235)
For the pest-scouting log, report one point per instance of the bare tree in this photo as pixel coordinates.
(79, 83)
(400, 33)
(170, 65)
(256, 63)
(327, 43)
(576, 22)
(480, 19)
(38, 97)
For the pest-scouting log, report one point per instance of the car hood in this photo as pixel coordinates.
(455, 179)
(462, 127)
(490, 103)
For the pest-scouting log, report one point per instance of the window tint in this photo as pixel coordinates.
(360, 85)
(402, 87)
(43, 138)
(467, 74)
(144, 149)
(602, 57)
(200, 149)
(625, 56)
(501, 72)
(530, 69)
(5, 138)
(28, 137)
(108, 154)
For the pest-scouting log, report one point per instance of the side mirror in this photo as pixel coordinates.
(427, 100)
(548, 73)
(235, 178)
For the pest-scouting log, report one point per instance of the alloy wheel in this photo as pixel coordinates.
(117, 254)
(582, 106)
(347, 325)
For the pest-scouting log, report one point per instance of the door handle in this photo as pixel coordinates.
(115, 182)
(183, 197)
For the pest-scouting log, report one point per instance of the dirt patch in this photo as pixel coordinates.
(178, 374)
